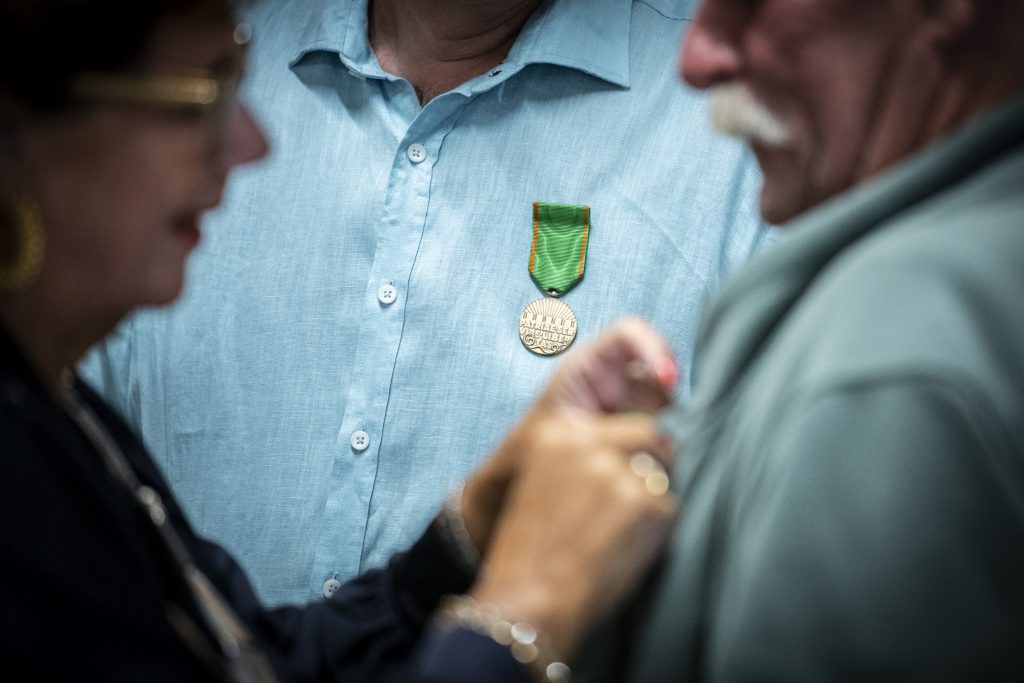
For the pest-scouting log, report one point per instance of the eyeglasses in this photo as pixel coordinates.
(198, 92)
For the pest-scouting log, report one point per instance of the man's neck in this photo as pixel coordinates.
(438, 45)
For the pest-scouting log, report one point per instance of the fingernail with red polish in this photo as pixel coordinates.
(667, 372)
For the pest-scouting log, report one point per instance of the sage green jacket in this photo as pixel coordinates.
(852, 459)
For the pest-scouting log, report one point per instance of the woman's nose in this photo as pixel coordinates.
(245, 141)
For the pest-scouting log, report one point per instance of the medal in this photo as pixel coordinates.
(557, 259)
(547, 326)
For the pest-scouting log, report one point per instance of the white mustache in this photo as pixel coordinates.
(735, 112)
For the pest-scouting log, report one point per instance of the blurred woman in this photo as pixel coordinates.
(119, 129)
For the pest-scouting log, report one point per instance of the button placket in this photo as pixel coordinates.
(400, 224)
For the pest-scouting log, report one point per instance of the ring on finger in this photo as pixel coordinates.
(645, 466)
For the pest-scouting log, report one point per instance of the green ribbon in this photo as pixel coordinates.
(559, 252)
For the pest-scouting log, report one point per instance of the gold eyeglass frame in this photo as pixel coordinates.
(195, 87)
(200, 90)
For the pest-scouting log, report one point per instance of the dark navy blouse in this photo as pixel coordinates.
(89, 592)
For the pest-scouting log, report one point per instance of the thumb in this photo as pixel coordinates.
(629, 367)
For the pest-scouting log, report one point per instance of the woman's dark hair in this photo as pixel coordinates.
(44, 44)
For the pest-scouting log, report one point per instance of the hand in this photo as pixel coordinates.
(628, 368)
(577, 527)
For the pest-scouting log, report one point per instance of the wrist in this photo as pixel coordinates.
(554, 609)
(527, 644)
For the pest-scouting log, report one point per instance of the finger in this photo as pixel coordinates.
(630, 433)
(633, 339)
(644, 489)
(629, 367)
(640, 389)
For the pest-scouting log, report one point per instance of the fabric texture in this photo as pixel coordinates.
(852, 459)
(88, 588)
(346, 349)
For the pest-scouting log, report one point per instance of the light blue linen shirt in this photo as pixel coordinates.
(310, 422)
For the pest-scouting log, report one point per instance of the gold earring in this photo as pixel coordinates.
(23, 269)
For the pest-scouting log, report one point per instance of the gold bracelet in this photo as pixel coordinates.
(527, 646)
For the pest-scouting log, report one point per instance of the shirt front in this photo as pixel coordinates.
(347, 349)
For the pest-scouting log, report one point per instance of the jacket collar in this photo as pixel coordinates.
(753, 304)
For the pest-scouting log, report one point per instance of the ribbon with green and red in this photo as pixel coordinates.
(559, 252)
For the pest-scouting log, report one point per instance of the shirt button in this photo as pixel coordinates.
(360, 440)
(416, 152)
(387, 294)
(330, 587)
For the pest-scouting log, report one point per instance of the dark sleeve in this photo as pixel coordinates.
(375, 627)
(880, 537)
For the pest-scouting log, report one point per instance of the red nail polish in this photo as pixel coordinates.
(667, 372)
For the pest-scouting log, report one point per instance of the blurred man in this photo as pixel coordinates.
(349, 344)
(853, 455)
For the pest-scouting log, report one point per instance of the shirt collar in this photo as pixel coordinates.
(336, 26)
(591, 36)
